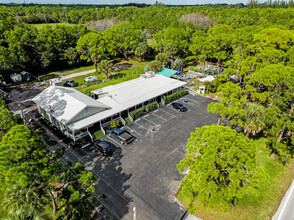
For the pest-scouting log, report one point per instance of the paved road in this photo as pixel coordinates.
(286, 209)
(76, 74)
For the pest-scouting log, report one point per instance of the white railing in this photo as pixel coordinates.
(102, 129)
(123, 121)
(192, 92)
(131, 118)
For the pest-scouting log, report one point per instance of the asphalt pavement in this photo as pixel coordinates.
(144, 174)
(286, 209)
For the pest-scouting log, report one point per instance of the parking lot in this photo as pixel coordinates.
(143, 174)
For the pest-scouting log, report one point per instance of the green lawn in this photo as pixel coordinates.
(3, 211)
(262, 206)
(98, 134)
(65, 72)
(39, 26)
(75, 70)
(80, 79)
(127, 120)
(87, 90)
(115, 78)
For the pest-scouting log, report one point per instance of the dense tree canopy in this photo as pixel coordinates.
(34, 181)
(253, 43)
(221, 166)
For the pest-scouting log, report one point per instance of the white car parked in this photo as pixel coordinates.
(91, 79)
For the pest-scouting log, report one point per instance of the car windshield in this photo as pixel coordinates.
(119, 131)
(180, 105)
(104, 145)
(70, 81)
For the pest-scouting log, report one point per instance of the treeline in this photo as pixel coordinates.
(258, 104)
(270, 4)
(23, 47)
(142, 33)
(35, 184)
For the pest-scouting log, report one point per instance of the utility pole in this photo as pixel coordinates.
(66, 15)
(97, 13)
(44, 14)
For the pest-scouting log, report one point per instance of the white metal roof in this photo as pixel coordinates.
(128, 94)
(65, 103)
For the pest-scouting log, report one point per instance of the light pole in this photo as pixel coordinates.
(134, 211)
(44, 14)
(66, 15)
(97, 13)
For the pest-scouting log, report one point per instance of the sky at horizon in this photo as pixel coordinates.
(119, 2)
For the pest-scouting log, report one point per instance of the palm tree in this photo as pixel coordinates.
(28, 213)
(19, 196)
(255, 119)
(105, 66)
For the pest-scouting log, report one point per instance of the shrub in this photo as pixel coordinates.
(184, 92)
(151, 106)
(137, 113)
(176, 95)
(114, 124)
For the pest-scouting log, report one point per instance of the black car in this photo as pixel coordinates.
(71, 83)
(179, 106)
(104, 148)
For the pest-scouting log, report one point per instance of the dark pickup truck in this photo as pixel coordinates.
(122, 136)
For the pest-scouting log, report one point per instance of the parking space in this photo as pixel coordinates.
(136, 129)
(145, 123)
(161, 114)
(189, 102)
(168, 109)
(155, 118)
(144, 173)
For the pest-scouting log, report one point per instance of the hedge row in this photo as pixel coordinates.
(175, 96)
(151, 107)
(137, 113)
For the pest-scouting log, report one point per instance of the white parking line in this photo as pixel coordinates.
(149, 120)
(134, 131)
(173, 116)
(193, 101)
(140, 126)
(115, 141)
(159, 116)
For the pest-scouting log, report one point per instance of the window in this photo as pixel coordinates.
(131, 109)
(139, 106)
(86, 110)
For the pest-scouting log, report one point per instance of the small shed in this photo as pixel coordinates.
(167, 72)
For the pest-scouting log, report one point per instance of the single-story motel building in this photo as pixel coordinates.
(77, 115)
